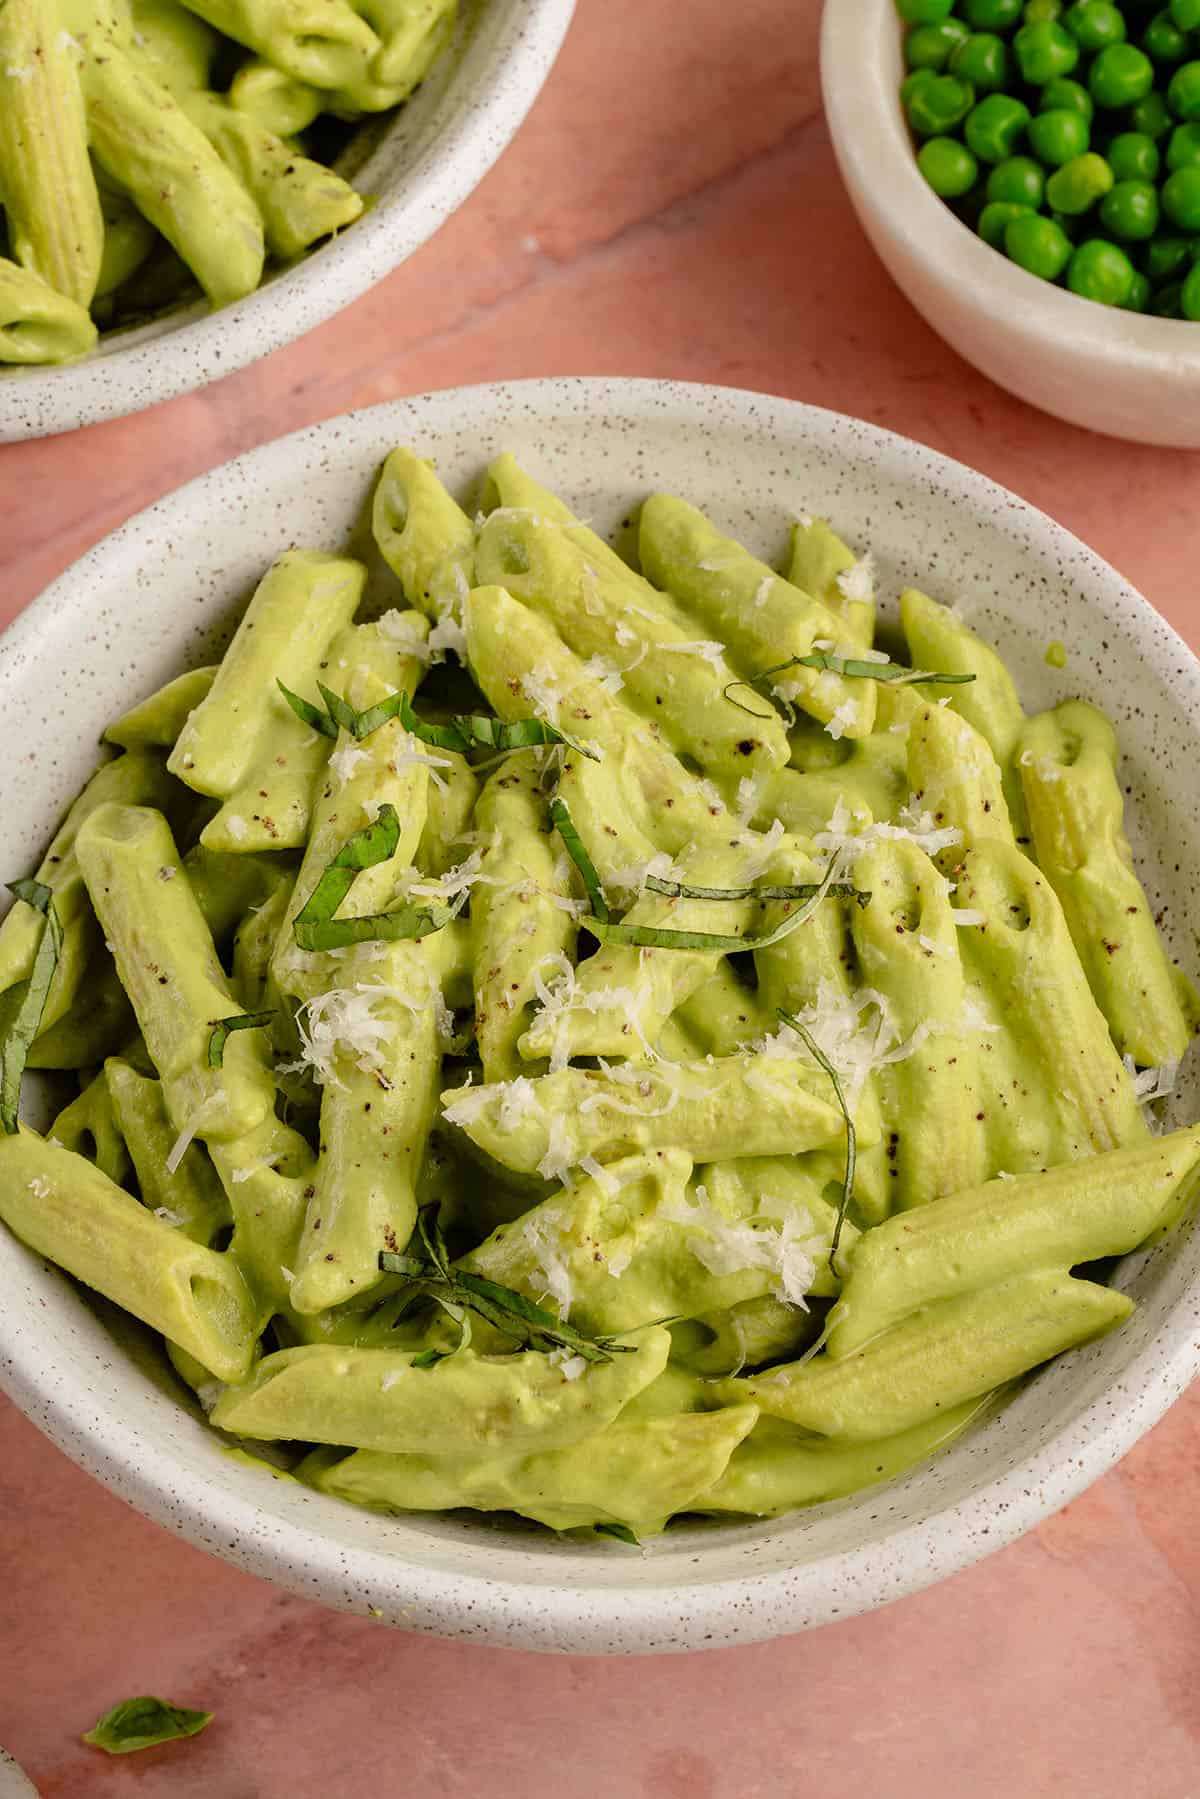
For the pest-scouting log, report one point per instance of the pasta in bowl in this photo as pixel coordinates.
(189, 186)
(633, 1081)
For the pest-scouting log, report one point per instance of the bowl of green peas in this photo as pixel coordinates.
(1029, 172)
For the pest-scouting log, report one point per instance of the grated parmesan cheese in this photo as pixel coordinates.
(914, 827)
(858, 581)
(167, 1216)
(705, 648)
(570, 1366)
(448, 634)
(343, 762)
(785, 1250)
(237, 827)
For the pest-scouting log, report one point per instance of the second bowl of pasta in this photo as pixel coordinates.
(189, 186)
(625, 1036)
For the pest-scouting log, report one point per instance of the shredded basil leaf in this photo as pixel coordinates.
(853, 668)
(473, 730)
(143, 1723)
(404, 925)
(621, 1532)
(573, 843)
(802, 891)
(646, 936)
(26, 1022)
(307, 713)
(822, 1060)
(458, 1290)
(245, 1021)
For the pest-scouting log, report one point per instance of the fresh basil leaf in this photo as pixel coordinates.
(404, 925)
(375, 843)
(245, 1021)
(307, 713)
(26, 1021)
(429, 1358)
(142, 1724)
(709, 942)
(340, 711)
(621, 1532)
(822, 1060)
(573, 843)
(803, 890)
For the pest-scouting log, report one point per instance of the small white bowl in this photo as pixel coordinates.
(1118, 372)
(420, 164)
(162, 593)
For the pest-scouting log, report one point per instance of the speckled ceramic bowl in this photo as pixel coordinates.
(421, 165)
(13, 1784)
(161, 593)
(1112, 371)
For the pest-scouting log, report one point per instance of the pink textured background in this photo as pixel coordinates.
(671, 208)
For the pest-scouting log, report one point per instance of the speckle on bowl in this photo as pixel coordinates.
(420, 165)
(160, 594)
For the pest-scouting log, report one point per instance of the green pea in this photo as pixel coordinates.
(1183, 95)
(1189, 293)
(1019, 180)
(1186, 14)
(1079, 184)
(1165, 257)
(983, 61)
(1166, 302)
(948, 167)
(1094, 24)
(924, 12)
(994, 127)
(1183, 150)
(1065, 95)
(1100, 271)
(929, 46)
(939, 105)
(912, 84)
(1120, 76)
(1058, 136)
(991, 15)
(1151, 116)
(1129, 211)
(1163, 40)
(1139, 294)
(996, 217)
(1134, 157)
(1181, 198)
(1040, 12)
(1038, 245)
(1044, 52)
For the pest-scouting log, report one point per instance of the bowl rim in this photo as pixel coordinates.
(862, 109)
(547, 1610)
(40, 402)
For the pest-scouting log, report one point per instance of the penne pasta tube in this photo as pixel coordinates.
(673, 679)
(522, 914)
(948, 1353)
(168, 967)
(907, 946)
(424, 536)
(51, 206)
(768, 1106)
(243, 744)
(637, 1472)
(188, 1197)
(966, 1241)
(377, 1399)
(1075, 1098)
(1067, 765)
(65, 1208)
(822, 565)
(38, 324)
(762, 618)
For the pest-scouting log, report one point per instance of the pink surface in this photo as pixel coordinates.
(671, 208)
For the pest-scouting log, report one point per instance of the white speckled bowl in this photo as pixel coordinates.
(13, 1784)
(421, 164)
(160, 593)
(1111, 371)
